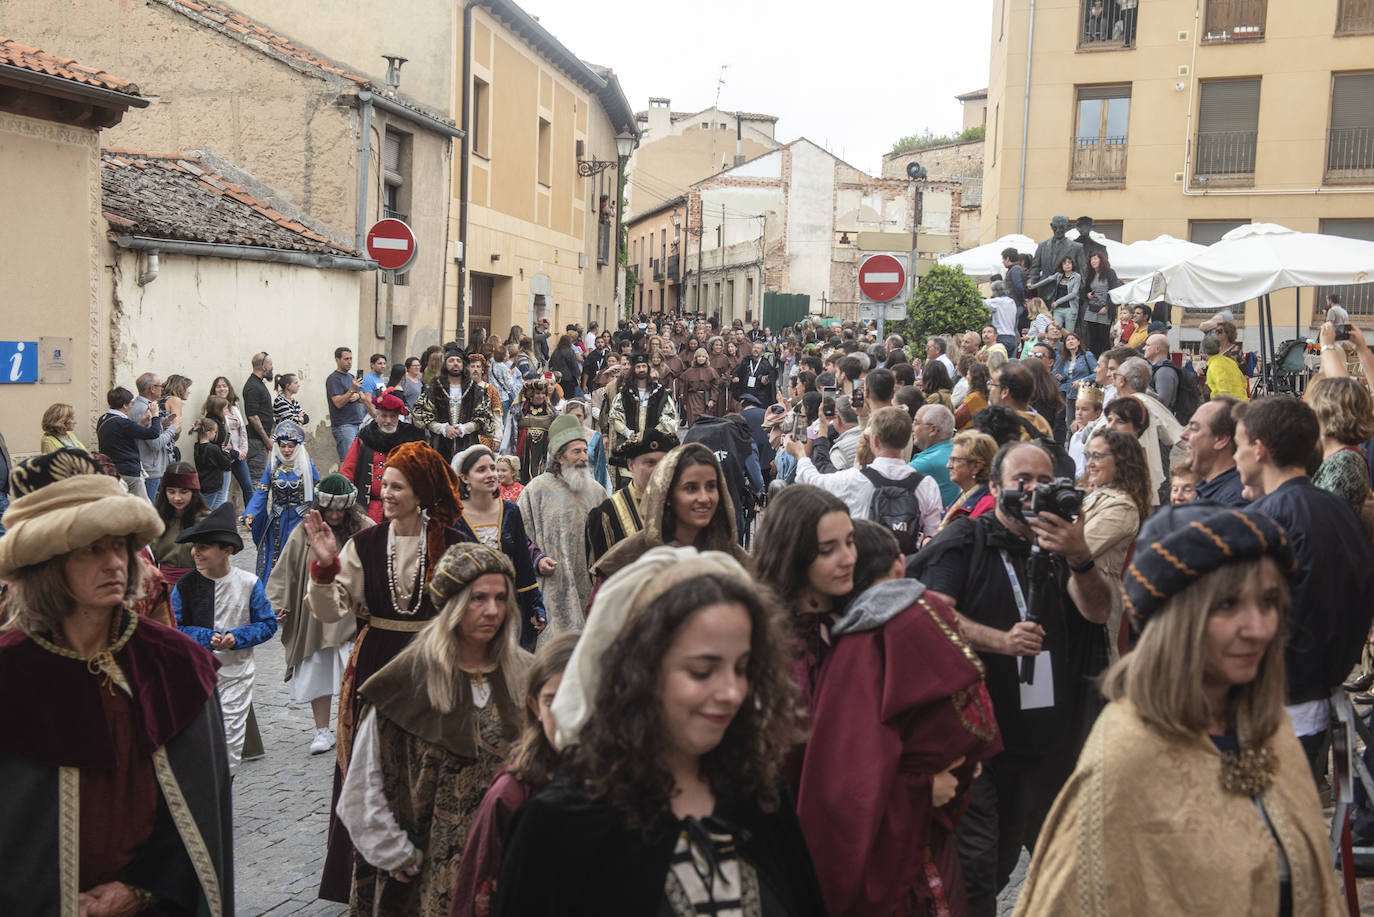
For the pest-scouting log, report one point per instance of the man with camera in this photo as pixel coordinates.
(1024, 587)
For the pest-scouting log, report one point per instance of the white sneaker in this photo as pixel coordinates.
(323, 742)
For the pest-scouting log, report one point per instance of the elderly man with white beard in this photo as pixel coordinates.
(366, 458)
(555, 506)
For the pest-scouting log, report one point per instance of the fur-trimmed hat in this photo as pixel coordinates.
(454, 349)
(49, 468)
(653, 441)
(461, 564)
(565, 429)
(67, 514)
(389, 402)
(335, 492)
(220, 527)
(1181, 544)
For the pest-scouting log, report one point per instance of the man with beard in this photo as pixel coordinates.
(641, 405)
(366, 458)
(454, 409)
(528, 432)
(755, 376)
(554, 507)
(617, 518)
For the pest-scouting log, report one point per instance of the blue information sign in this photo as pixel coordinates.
(18, 361)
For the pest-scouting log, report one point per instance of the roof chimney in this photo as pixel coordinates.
(393, 70)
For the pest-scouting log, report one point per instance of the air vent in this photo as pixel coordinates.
(1182, 36)
(1183, 70)
(1178, 176)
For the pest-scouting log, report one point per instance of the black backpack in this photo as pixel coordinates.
(895, 507)
(1064, 466)
(1188, 394)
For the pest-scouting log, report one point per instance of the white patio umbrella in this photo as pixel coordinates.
(1149, 255)
(982, 262)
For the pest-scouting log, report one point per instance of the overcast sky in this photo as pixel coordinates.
(824, 69)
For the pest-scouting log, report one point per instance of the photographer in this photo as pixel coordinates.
(982, 568)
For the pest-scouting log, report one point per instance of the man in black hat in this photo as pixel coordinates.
(225, 610)
(641, 405)
(617, 517)
(455, 409)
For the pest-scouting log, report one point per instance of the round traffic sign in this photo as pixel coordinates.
(881, 278)
(391, 243)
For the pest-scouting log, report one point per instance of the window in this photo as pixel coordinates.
(395, 187)
(996, 118)
(1357, 298)
(1099, 142)
(481, 114)
(1228, 128)
(1108, 25)
(1350, 140)
(1354, 17)
(1109, 228)
(1234, 20)
(545, 153)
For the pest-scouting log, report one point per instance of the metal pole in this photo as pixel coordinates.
(390, 302)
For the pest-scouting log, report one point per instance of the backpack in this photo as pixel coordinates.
(1188, 394)
(1064, 466)
(895, 507)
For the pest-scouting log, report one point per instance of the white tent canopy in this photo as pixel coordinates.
(1129, 261)
(1251, 261)
(982, 262)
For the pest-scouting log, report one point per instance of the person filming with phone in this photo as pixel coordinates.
(1023, 585)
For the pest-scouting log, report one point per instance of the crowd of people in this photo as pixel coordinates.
(680, 618)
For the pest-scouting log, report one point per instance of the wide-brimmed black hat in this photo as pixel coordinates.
(220, 527)
(638, 358)
(653, 441)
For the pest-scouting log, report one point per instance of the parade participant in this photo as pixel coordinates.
(480, 376)
(508, 475)
(490, 520)
(641, 405)
(1117, 504)
(698, 386)
(755, 376)
(725, 368)
(316, 653)
(113, 774)
(619, 516)
(379, 575)
(686, 504)
(285, 491)
(366, 458)
(529, 770)
(180, 505)
(455, 409)
(885, 845)
(225, 610)
(596, 443)
(1191, 795)
(438, 723)
(980, 568)
(555, 507)
(674, 723)
(527, 433)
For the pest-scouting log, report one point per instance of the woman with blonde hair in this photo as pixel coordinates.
(439, 721)
(1192, 794)
(1119, 501)
(59, 420)
(970, 459)
(1345, 412)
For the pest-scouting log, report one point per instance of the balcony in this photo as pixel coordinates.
(1354, 17)
(1098, 162)
(603, 243)
(1349, 155)
(1107, 26)
(674, 271)
(656, 266)
(1230, 21)
(1225, 155)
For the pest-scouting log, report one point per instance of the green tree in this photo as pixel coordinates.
(927, 139)
(946, 301)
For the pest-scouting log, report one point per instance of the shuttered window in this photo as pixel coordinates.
(1350, 141)
(1357, 298)
(1228, 127)
(1205, 232)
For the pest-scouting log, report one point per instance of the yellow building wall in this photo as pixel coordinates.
(667, 166)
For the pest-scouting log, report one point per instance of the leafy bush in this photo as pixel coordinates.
(946, 301)
(926, 139)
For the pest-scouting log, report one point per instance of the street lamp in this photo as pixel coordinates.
(624, 146)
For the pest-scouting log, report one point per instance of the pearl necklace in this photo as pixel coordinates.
(415, 596)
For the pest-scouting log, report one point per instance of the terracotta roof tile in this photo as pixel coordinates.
(14, 54)
(175, 197)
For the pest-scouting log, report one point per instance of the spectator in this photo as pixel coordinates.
(212, 455)
(961, 386)
(933, 431)
(1140, 332)
(1097, 303)
(374, 383)
(970, 457)
(937, 349)
(1064, 289)
(257, 410)
(1210, 438)
(991, 344)
(1046, 399)
(541, 342)
(564, 362)
(237, 434)
(1114, 509)
(1133, 379)
(971, 341)
(903, 373)
(979, 379)
(844, 421)
(879, 387)
(1345, 413)
(1087, 409)
(285, 406)
(1003, 309)
(175, 390)
(1164, 375)
(1013, 387)
(1183, 481)
(59, 420)
(346, 406)
(936, 386)
(1015, 277)
(412, 385)
(1228, 339)
(6, 465)
(118, 437)
(152, 453)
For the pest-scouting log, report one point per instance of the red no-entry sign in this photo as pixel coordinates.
(881, 278)
(391, 243)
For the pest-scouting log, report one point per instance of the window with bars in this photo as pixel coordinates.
(1099, 141)
(1354, 17)
(1228, 130)
(1357, 298)
(1350, 139)
(1234, 20)
(1108, 25)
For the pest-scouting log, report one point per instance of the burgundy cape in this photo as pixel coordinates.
(475, 886)
(899, 699)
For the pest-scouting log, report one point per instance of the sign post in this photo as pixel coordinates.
(882, 278)
(391, 243)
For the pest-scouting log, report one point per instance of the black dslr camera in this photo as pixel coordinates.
(1057, 498)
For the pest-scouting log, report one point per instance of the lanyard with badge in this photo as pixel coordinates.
(1037, 692)
(754, 373)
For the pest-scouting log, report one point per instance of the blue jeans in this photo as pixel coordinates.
(239, 472)
(216, 499)
(1009, 341)
(152, 485)
(344, 434)
(1067, 317)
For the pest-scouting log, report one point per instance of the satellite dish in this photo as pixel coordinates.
(915, 171)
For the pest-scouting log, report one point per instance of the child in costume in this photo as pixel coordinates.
(284, 494)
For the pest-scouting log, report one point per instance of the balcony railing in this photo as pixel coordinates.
(674, 267)
(1235, 20)
(656, 266)
(1225, 153)
(603, 243)
(1349, 153)
(1098, 161)
(1354, 17)
(1109, 28)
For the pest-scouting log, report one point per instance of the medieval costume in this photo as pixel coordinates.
(698, 386)
(366, 458)
(235, 603)
(279, 503)
(316, 653)
(527, 432)
(508, 536)
(419, 771)
(112, 766)
(879, 844)
(456, 401)
(725, 368)
(555, 506)
(379, 577)
(173, 559)
(636, 409)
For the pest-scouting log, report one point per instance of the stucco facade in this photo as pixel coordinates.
(657, 243)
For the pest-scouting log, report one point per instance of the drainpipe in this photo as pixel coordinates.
(149, 275)
(461, 329)
(364, 164)
(1025, 123)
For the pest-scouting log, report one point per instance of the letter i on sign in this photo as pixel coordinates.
(16, 362)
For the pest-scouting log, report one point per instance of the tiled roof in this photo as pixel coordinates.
(232, 22)
(684, 115)
(15, 54)
(173, 197)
